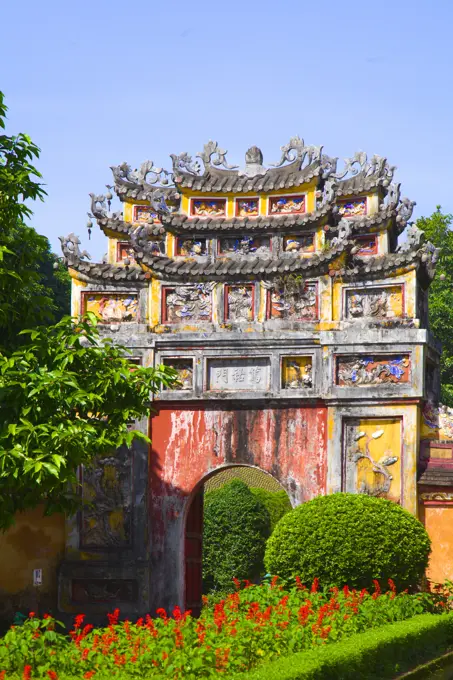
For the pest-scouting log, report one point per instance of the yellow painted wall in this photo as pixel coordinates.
(34, 542)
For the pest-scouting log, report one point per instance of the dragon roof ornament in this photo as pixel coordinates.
(359, 164)
(70, 246)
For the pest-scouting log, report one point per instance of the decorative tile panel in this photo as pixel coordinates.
(372, 456)
(239, 374)
(124, 251)
(247, 207)
(386, 302)
(143, 213)
(208, 207)
(354, 207)
(88, 591)
(111, 307)
(106, 523)
(360, 370)
(191, 247)
(294, 300)
(239, 303)
(299, 244)
(244, 245)
(286, 205)
(184, 367)
(297, 372)
(187, 303)
(368, 245)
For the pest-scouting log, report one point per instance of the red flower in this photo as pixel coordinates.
(392, 585)
(2, 675)
(27, 671)
(78, 621)
(139, 622)
(162, 613)
(346, 591)
(52, 675)
(299, 584)
(274, 581)
(113, 618)
(237, 583)
(89, 674)
(177, 613)
(87, 628)
(315, 585)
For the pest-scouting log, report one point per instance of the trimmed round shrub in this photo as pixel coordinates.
(276, 502)
(349, 539)
(236, 526)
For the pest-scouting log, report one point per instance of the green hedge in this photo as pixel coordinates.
(347, 538)
(378, 654)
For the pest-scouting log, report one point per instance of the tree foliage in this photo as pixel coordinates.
(437, 229)
(349, 539)
(277, 503)
(32, 292)
(236, 526)
(65, 397)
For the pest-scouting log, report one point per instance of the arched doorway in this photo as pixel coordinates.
(193, 535)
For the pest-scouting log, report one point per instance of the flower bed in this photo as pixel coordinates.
(252, 626)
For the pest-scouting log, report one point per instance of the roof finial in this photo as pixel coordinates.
(253, 163)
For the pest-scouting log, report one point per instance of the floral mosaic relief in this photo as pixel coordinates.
(247, 207)
(125, 252)
(299, 244)
(372, 370)
(188, 303)
(191, 247)
(378, 303)
(239, 303)
(184, 367)
(111, 308)
(294, 300)
(244, 245)
(296, 373)
(353, 208)
(209, 207)
(438, 420)
(286, 205)
(373, 461)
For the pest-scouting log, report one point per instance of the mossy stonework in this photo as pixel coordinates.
(299, 330)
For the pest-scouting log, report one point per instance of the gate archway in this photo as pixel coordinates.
(193, 441)
(193, 536)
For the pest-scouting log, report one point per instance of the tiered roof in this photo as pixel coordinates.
(298, 165)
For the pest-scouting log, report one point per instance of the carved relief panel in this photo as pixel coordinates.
(208, 207)
(354, 207)
(239, 303)
(247, 207)
(368, 245)
(111, 307)
(184, 367)
(244, 245)
(372, 457)
(386, 302)
(360, 370)
(187, 303)
(89, 591)
(293, 300)
(106, 520)
(144, 213)
(304, 243)
(287, 205)
(297, 372)
(191, 247)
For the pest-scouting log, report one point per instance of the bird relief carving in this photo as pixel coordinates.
(369, 462)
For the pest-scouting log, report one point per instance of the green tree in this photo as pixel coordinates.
(66, 396)
(32, 292)
(437, 229)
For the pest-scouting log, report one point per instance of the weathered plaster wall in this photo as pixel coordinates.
(34, 542)
(190, 442)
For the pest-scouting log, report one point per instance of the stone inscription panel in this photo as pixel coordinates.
(239, 374)
(89, 591)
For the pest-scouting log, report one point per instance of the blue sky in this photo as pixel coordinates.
(96, 83)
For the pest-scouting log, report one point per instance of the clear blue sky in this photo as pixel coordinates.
(96, 83)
